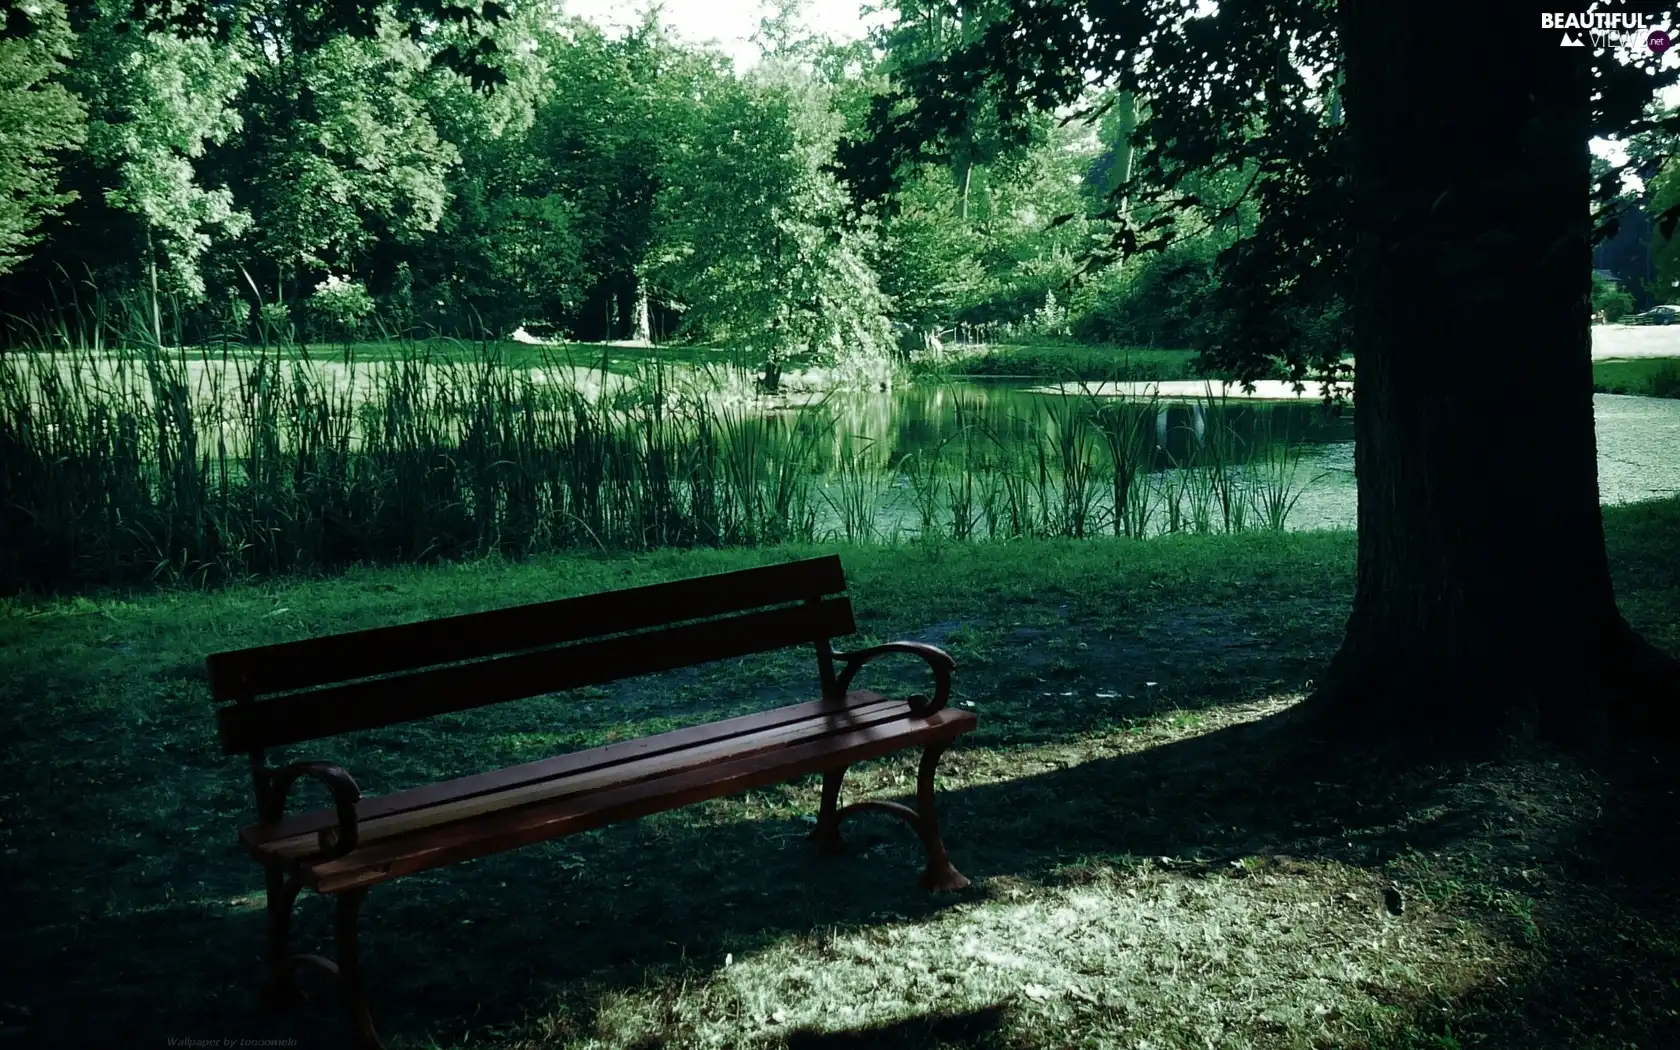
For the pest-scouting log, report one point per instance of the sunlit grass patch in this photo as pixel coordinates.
(1064, 360)
(1299, 958)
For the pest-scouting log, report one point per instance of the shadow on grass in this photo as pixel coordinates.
(1604, 939)
(476, 950)
(974, 1029)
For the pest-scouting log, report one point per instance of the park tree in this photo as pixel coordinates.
(156, 101)
(1665, 249)
(338, 150)
(509, 247)
(39, 119)
(1443, 189)
(618, 112)
(754, 236)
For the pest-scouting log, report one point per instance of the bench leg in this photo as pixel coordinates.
(350, 969)
(940, 875)
(280, 991)
(827, 832)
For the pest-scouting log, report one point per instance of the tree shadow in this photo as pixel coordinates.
(1604, 937)
(481, 946)
(966, 1030)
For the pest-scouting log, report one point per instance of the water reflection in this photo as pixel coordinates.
(918, 421)
(1068, 449)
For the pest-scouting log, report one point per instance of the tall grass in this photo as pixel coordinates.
(144, 464)
(132, 465)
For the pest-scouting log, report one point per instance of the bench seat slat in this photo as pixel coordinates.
(525, 825)
(591, 773)
(372, 809)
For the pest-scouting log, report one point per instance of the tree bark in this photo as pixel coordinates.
(640, 329)
(1483, 590)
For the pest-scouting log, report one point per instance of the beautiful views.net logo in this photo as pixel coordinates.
(1629, 30)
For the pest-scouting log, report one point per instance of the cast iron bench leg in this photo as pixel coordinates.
(350, 969)
(827, 831)
(280, 992)
(940, 875)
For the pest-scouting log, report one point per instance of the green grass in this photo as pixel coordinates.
(1150, 868)
(1645, 377)
(623, 360)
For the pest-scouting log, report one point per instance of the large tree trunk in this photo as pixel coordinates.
(1483, 586)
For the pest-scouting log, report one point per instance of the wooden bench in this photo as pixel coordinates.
(299, 691)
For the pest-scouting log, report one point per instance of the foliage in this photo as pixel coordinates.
(1249, 90)
(342, 307)
(338, 152)
(1160, 299)
(38, 119)
(1610, 299)
(594, 186)
(1665, 245)
(156, 102)
(753, 237)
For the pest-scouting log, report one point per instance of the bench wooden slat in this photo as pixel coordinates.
(385, 650)
(371, 809)
(494, 833)
(603, 778)
(388, 701)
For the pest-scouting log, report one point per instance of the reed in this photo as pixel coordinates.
(128, 462)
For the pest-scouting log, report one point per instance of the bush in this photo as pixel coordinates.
(340, 307)
(1160, 300)
(276, 321)
(1665, 381)
(1609, 299)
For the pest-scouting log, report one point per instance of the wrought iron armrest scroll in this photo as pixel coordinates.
(938, 660)
(335, 841)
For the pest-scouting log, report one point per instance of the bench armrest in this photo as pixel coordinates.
(337, 841)
(938, 660)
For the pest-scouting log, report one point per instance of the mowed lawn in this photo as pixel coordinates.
(1158, 860)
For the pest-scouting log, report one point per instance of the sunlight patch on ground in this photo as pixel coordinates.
(1295, 957)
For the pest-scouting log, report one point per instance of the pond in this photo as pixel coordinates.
(1048, 437)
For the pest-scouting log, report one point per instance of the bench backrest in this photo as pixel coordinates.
(380, 677)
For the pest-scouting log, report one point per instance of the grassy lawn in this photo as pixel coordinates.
(1156, 863)
(1647, 376)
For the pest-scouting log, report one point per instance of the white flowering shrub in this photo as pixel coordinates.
(340, 306)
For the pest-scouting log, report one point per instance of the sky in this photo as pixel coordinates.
(729, 22)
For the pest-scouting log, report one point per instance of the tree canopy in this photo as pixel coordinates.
(1245, 87)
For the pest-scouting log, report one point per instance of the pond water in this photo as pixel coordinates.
(1005, 425)
(967, 459)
